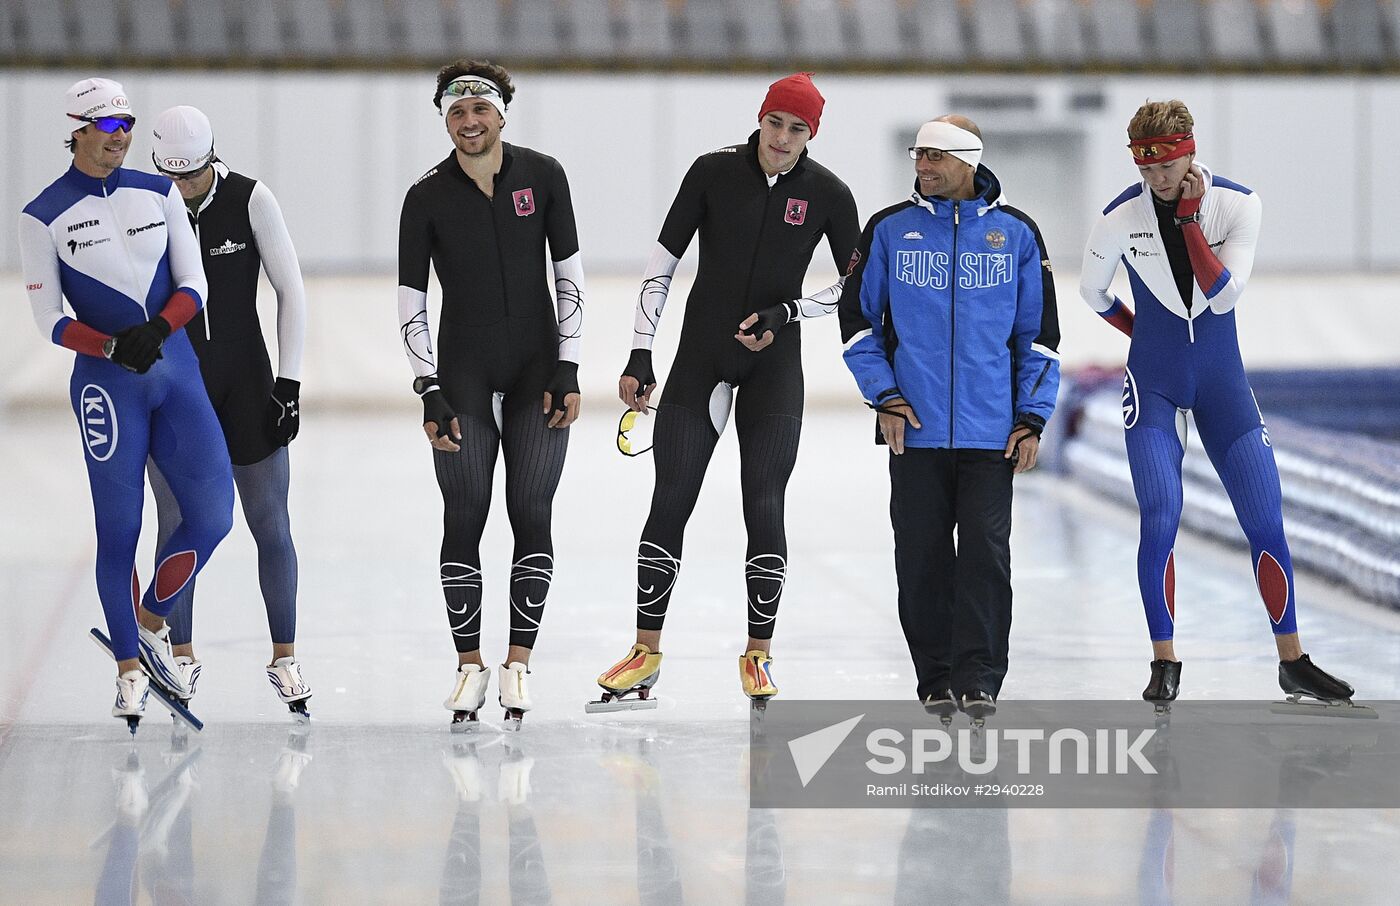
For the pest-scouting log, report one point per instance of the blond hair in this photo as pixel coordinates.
(1160, 118)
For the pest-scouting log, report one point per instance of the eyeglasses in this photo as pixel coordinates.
(109, 124)
(624, 427)
(461, 88)
(934, 155)
(184, 177)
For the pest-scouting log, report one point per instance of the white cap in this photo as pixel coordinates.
(184, 140)
(952, 140)
(91, 99)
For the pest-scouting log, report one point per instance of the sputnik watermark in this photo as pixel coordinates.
(1116, 751)
(1105, 754)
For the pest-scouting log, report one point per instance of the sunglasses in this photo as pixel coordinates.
(109, 124)
(624, 427)
(184, 177)
(461, 88)
(934, 155)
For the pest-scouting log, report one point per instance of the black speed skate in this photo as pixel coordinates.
(1331, 696)
(1163, 687)
(942, 705)
(979, 706)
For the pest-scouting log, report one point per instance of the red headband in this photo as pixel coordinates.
(1161, 148)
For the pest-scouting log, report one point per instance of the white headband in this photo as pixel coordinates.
(468, 87)
(951, 140)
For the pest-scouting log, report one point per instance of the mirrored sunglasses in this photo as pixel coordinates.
(461, 88)
(109, 124)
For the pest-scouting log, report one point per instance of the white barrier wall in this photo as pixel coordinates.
(340, 149)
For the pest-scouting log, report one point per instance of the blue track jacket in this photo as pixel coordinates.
(951, 305)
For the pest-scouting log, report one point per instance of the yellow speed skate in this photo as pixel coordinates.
(627, 684)
(756, 674)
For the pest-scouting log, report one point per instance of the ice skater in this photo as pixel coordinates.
(117, 245)
(240, 230)
(760, 209)
(1187, 237)
(505, 375)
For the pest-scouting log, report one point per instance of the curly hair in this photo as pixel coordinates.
(1160, 118)
(483, 68)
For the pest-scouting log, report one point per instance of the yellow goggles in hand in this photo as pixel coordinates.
(624, 427)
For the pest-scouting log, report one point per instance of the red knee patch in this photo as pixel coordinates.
(1169, 585)
(172, 574)
(1273, 585)
(135, 591)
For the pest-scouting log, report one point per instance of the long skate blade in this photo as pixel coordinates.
(172, 704)
(620, 704)
(1314, 708)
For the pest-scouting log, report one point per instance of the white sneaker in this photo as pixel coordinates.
(515, 694)
(469, 689)
(189, 670)
(285, 676)
(132, 689)
(159, 660)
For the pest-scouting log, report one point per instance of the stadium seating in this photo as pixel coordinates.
(1109, 35)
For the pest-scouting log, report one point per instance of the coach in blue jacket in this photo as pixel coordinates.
(950, 328)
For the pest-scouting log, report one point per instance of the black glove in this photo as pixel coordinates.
(436, 409)
(137, 348)
(564, 382)
(639, 368)
(772, 318)
(284, 411)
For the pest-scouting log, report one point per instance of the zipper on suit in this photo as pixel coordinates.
(953, 326)
(199, 242)
(757, 242)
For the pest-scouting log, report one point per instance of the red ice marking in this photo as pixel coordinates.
(172, 574)
(1273, 585)
(1169, 585)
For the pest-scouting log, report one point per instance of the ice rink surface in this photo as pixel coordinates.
(379, 803)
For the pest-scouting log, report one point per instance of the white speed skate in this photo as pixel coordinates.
(132, 689)
(515, 694)
(159, 660)
(285, 676)
(190, 669)
(468, 696)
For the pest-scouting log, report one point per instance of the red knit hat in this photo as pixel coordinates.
(796, 95)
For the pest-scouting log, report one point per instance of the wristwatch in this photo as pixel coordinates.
(423, 384)
(1191, 218)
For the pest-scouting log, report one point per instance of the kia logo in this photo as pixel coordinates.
(176, 163)
(98, 418)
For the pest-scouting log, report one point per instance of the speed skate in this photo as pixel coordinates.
(1330, 697)
(177, 709)
(627, 684)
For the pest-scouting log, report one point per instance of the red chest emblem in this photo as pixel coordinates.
(524, 202)
(796, 211)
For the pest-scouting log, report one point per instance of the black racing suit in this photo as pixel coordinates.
(756, 242)
(498, 344)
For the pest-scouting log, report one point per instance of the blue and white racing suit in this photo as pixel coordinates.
(121, 251)
(1185, 354)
